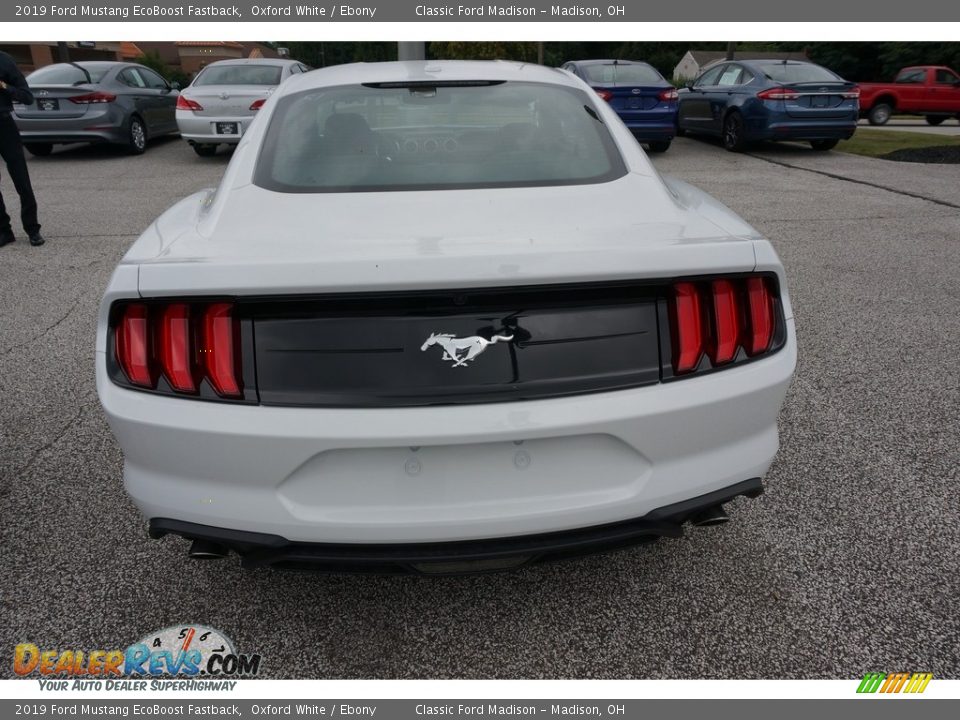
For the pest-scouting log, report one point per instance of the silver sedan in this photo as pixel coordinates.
(223, 99)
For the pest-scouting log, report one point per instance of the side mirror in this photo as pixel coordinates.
(175, 85)
(688, 85)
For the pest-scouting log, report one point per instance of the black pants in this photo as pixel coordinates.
(11, 150)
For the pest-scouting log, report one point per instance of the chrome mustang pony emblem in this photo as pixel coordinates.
(460, 351)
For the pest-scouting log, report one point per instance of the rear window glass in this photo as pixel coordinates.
(239, 75)
(63, 74)
(797, 72)
(617, 74)
(359, 138)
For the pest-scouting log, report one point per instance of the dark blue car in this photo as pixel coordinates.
(645, 102)
(743, 101)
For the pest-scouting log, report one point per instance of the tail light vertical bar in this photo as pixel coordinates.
(133, 346)
(176, 347)
(220, 350)
(687, 327)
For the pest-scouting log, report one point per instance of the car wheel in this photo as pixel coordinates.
(822, 145)
(136, 136)
(39, 149)
(205, 150)
(879, 114)
(733, 139)
(659, 147)
(935, 119)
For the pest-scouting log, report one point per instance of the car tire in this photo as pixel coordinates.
(660, 147)
(880, 114)
(39, 149)
(935, 119)
(136, 136)
(205, 150)
(733, 132)
(823, 145)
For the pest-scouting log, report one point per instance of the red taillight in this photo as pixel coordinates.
(174, 338)
(188, 104)
(94, 98)
(687, 327)
(219, 352)
(669, 94)
(761, 312)
(257, 104)
(778, 93)
(712, 319)
(726, 322)
(133, 345)
(182, 343)
(604, 94)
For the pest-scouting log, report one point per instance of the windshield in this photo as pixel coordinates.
(362, 138)
(797, 72)
(621, 74)
(65, 74)
(239, 75)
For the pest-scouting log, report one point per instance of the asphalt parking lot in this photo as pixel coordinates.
(849, 563)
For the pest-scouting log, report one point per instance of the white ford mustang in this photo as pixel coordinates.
(441, 317)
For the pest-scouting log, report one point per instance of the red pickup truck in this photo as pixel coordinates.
(929, 90)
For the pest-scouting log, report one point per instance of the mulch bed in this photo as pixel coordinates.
(943, 154)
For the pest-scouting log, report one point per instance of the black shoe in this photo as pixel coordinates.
(7, 237)
(36, 239)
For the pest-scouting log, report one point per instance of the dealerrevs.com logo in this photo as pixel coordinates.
(200, 657)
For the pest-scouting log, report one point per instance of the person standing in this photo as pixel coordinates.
(14, 88)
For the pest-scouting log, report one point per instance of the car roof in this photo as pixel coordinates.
(426, 71)
(254, 61)
(609, 62)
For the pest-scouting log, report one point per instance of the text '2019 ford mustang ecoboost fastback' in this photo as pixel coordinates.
(441, 317)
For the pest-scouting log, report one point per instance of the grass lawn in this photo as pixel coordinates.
(876, 143)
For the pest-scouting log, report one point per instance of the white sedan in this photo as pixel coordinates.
(442, 317)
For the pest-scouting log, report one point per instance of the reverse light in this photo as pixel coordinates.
(669, 94)
(184, 103)
(94, 98)
(176, 346)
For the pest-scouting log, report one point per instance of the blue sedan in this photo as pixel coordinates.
(746, 101)
(645, 102)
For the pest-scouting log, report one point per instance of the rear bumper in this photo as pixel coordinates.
(108, 125)
(201, 130)
(447, 473)
(653, 132)
(257, 550)
(796, 130)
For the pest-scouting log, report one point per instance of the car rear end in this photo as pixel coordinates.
(71, 105)
(222, 101)
(296, 401)
(802, 101)
(643, 99)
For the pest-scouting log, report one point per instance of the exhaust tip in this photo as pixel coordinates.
(715, 515)
(206, 550)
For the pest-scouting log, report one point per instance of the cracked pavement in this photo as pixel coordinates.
(850, 562)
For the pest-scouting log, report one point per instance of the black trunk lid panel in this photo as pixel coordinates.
(373, 351)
